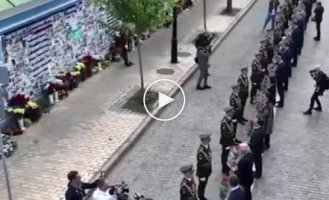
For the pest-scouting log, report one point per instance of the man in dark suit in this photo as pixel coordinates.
(76, 188)
(237, 191)
(318, 11)
(244, 171)
(257, 145)
(204, 168)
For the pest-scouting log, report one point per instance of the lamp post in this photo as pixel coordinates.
(205, 15)
(174, 37)
(5, 169)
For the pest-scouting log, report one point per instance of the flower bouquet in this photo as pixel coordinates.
(223, 189)
(81, 68)
(32, 111)
(75, 79)
(88, 61)
(51, 90)
(19, 115)
(18, 100)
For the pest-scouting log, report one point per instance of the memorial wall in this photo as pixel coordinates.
(35, 53)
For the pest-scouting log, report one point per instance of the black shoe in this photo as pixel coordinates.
(308, 112)
(129, 64)
(207, 87)
(316, 39)
(285, 89)
(318, 109)
(199, 88)
(252, 102)
(244, 119)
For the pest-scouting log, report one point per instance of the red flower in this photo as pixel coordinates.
(19, 100)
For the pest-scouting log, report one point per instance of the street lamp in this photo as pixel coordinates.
(174, 37)
(205, 15)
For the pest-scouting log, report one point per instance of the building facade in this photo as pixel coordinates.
(37, 44)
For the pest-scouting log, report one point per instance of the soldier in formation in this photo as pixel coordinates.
(204, 167)
(188, 186)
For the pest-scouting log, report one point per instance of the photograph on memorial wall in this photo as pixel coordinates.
(36, 53)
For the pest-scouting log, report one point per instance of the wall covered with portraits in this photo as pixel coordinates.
(37, 52)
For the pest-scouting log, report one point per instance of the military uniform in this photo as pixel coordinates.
(236, 103)
(256, 77)
(243, 83)
(227, 139)
(204, 168)
(280, 79)
(187, 186)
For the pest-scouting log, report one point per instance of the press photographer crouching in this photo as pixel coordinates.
(76, 188)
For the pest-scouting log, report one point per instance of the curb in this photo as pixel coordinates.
(139, 132)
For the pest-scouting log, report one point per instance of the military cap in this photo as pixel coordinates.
(263, 41)
(228, 109)
(204, 136)
(244, 68)
(186, 168)
(235, 86)
(258, 54)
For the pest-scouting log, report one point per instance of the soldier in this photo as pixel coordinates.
(256, 77)
(286, 58)
(187, 186)
(269, 48)
(297, 39)
(227, 138)
(236, 103)
(272, 89)
(204, 168)
(322, 83)
(264, 57)
(280, 78)
(243, 83)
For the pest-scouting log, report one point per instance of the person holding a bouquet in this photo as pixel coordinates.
(227, 138)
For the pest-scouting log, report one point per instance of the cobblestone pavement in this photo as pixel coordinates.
(83, 131)
(293, 167)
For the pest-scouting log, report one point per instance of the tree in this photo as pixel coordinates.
(142, 14)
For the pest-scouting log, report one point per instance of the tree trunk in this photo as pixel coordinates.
(140, 65)
(229, 6)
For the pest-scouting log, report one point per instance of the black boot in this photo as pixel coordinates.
(308, 112)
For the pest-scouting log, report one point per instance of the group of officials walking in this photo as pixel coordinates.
(270, 73)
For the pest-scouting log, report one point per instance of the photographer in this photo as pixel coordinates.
(321, 85)
(104, 191)
(76, 188)
(202, 59)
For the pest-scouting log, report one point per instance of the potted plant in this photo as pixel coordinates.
(52, 92)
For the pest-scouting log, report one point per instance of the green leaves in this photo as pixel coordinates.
(143, 14)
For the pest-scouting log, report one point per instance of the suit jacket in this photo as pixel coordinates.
(244, 171)
(73, 193)
(237, 194)
(257, 140)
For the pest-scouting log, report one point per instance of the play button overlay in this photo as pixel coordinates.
(164, 100)
(177, 104)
